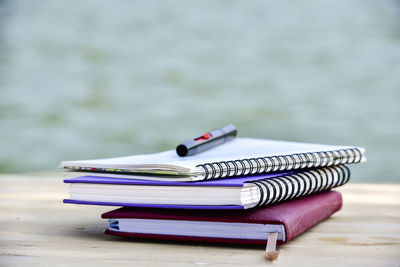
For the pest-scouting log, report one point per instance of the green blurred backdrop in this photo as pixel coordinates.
(91, 79)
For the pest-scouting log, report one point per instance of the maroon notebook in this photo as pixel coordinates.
(289, 219)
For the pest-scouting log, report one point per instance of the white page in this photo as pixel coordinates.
(239, 148)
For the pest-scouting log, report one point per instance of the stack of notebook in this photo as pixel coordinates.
(247, 191)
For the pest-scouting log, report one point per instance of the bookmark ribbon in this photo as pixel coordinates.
(270, 250)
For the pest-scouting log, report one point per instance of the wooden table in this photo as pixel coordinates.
(37, 229)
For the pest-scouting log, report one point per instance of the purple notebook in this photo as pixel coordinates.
(234, 193)
(237, 181)
(231, 182)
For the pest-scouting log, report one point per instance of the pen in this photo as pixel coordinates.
(207, 141)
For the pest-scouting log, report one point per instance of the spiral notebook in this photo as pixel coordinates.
(242, 156)
(234, 193)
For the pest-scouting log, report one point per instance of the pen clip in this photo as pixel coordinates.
(205, 136)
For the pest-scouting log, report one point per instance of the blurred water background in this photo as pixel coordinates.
(92, 79)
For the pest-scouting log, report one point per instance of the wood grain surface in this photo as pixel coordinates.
(37, 229)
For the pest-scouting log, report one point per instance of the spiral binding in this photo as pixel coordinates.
(299, 184)
(279, 163)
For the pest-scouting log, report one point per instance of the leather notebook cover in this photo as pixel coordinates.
(296, 215)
